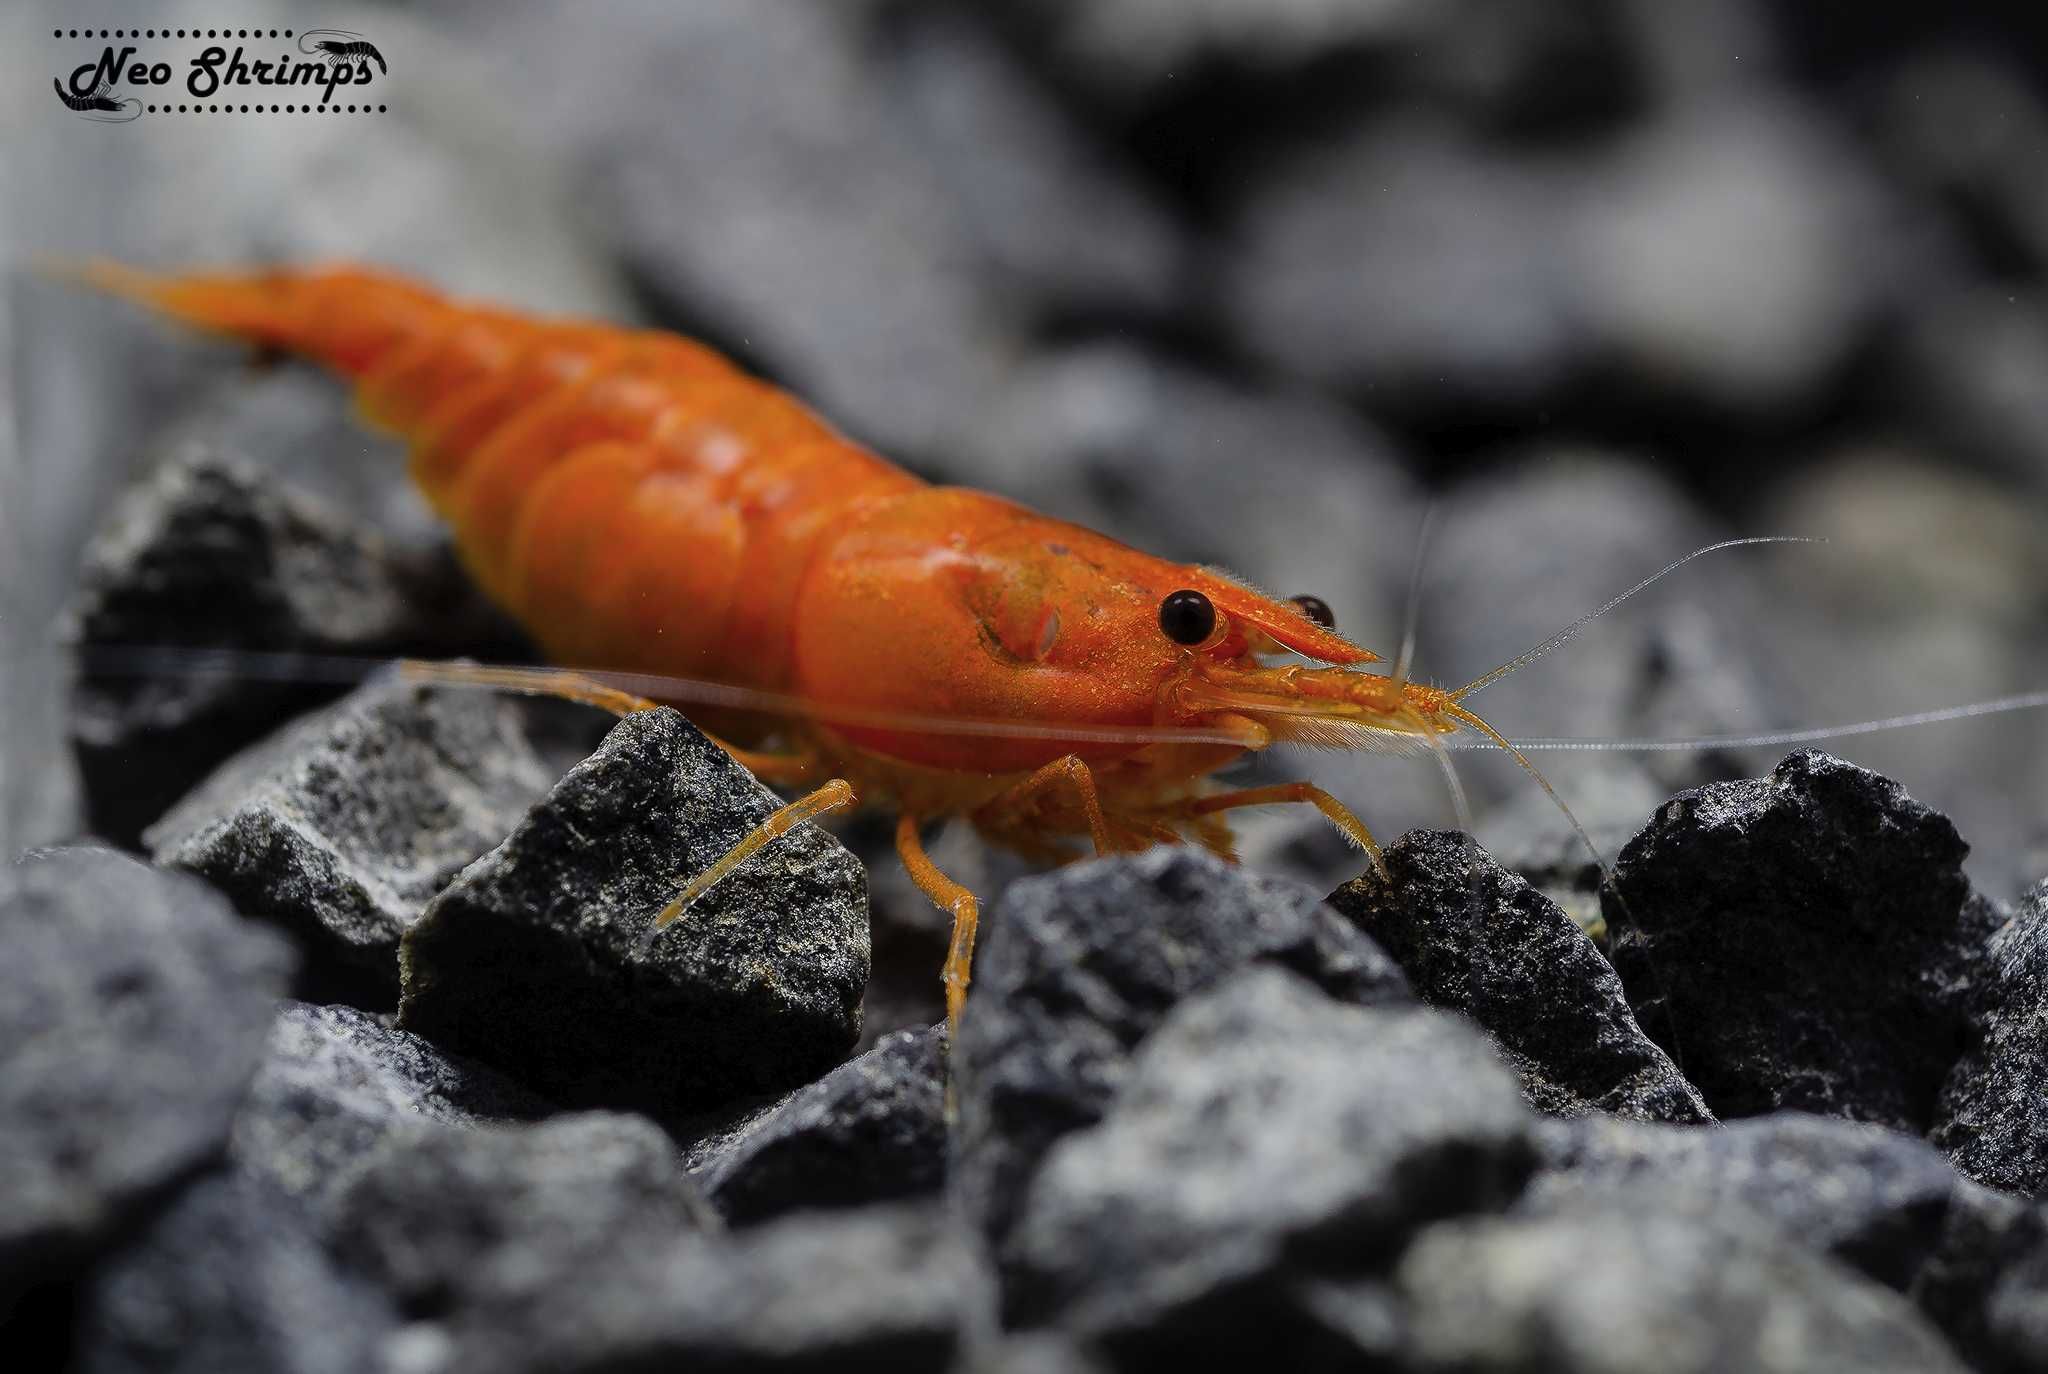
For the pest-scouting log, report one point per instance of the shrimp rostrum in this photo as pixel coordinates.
(640, 504)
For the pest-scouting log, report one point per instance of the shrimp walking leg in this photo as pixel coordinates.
(536, 682)
(1283, 793)
(950, 897)
(570, 686)
(1069, 771)
(832, 796)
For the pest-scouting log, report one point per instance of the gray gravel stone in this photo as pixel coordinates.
(1130, 51)
(341, 826)
(1614, 1288)
(1475, 938)
(875, 1289)
(1037, 1352)
(1986, 1285)
(1077, 966)
(335, 1083)
(768, 194)
(229, 1280)
(1060, 224)
(132, 1011)
(1871, 1198)
(450, 1218)
(1725, 255)
(209, 553)
(533, 960)
(1453, 257)
(1262, 1127)
(872, 1130)
(1812, 937)
(1993, 1117)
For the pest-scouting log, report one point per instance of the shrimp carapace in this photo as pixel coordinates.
(640, 504)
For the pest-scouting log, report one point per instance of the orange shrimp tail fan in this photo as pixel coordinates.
(344, 317)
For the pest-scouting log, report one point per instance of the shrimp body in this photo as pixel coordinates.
(639, 503)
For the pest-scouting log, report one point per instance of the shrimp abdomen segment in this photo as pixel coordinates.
(633, 498)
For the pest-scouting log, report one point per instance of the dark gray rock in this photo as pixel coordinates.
(449, 1218)
(879, 1288)
(1349, 1323)
(1735, 254)
(132, 1009)
(1262, 1130)
(335, 1083)
(1811, 937)
(1623, 1288)
(872, 1130)
(1974, 1261)
(1959, 358)
(1131, 51)
(1454, 257)
(1957, 123)
(1986, 1284)
(1993, 1118)
(208, 554)
(767, 193)
(1077, 966)
(1037, 1352)
(534, 959)
(229, 1280)
(342, 825)
(1871, 1198)
(1527, 834)
(1724, 257)
(1475, 938)
(1059, 224)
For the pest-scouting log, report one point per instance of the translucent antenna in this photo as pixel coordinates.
(1608, 884)
(2022, 701)
(1411, 617)
(1461, 807)
(101, 660)
(1523, 660)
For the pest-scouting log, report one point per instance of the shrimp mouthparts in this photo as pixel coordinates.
(1336, 708)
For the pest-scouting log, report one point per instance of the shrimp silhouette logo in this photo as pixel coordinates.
(125, 81)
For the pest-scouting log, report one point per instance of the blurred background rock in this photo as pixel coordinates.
(1245, 281)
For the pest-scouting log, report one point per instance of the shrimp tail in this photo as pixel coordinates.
(345, 318)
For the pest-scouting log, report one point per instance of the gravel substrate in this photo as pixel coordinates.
(1201, 1113)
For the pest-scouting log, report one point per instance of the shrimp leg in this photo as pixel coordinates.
(831, 797)
(950, 897)
(1070, 770)
(569, 686)
(536, 682)
(1336, 812)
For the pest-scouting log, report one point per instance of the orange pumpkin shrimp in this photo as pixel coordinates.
(640, 504)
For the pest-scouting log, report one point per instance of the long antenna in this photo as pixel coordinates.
(2020, 701)
(1523, 660)
(1411, 617)
(101, 660)
(1608, 882)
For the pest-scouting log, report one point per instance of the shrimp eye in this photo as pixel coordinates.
(1316, 609)
(1186, 617)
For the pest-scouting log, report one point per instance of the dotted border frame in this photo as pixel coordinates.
(215, 108)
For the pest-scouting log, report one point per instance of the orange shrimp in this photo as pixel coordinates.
(638, 503)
